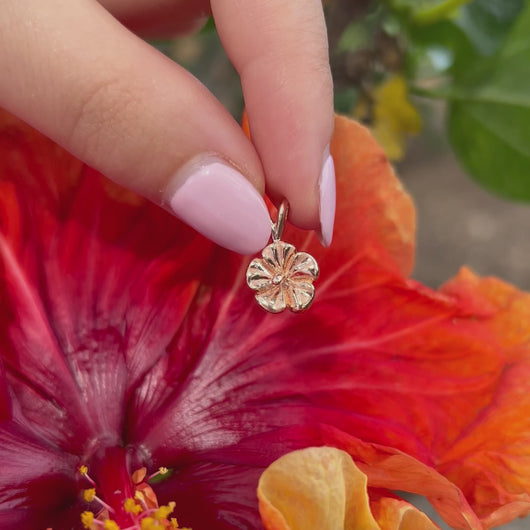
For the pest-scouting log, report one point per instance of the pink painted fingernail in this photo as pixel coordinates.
(220, 203)
(327, 199)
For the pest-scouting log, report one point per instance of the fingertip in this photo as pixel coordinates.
(215, 199)
(327, 202)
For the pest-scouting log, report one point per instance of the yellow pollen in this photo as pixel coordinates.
(148, 523)
(164, 511)
(173, 523)
(89, 494)
(162, 470)
(87, 518)
(111, 525)
(83, 470)
(131, 507)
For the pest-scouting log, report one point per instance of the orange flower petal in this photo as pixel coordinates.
(491, 459)
(374, 210)
(390, 469)
(396, 514)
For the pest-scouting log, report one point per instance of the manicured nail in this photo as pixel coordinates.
(220, 203)
(327, 199)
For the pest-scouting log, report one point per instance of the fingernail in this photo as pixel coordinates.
(327, 199)
(220, 203)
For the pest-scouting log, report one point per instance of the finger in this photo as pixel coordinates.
(158, 18)
(280, 51)
(79, 76)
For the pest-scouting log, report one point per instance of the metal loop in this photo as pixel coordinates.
(279, 225)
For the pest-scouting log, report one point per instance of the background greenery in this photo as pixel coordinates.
(474, 55)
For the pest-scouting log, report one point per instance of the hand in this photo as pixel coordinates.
(73, 71)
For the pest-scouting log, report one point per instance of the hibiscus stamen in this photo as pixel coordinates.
(87, 519)
(90, 495)
(161, 471)
(139, 496)
(148, 523)
(164, 511)
(143, 510)
(83, 471)
(130, 506)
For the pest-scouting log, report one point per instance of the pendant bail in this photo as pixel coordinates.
(279, 225)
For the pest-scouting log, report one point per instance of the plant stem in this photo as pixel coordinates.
(415, 90)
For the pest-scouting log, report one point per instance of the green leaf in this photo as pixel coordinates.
(493, 143)
(487, 22)
(477, 30)
(489, 116)
(354, 37)
(427, 11)
(446, 38)
(209, 26)
(345, 100)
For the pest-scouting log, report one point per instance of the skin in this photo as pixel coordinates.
(80, 72)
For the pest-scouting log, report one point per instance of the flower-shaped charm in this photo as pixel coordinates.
(283, 278)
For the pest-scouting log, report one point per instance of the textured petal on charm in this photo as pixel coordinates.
(279, 255)
(283, 278)
(272, 299)
(300, 296)
(303, 265)
(259, 274)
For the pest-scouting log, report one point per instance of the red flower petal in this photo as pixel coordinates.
(119, 326)
(86, 289)
(37, 482)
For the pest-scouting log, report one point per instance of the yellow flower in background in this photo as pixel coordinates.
(321, 487)
(393, 117)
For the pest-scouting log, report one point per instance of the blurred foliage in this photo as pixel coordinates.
(489, 115)
(392, 115)
(426, 11)
(474, 54)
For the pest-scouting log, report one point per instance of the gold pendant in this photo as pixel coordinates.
(282, 277)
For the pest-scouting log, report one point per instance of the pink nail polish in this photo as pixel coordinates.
(220, 203)
(327, 199)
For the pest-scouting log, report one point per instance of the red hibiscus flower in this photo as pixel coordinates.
(128, 341)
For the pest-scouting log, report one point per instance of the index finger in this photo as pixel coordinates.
(280, 50)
